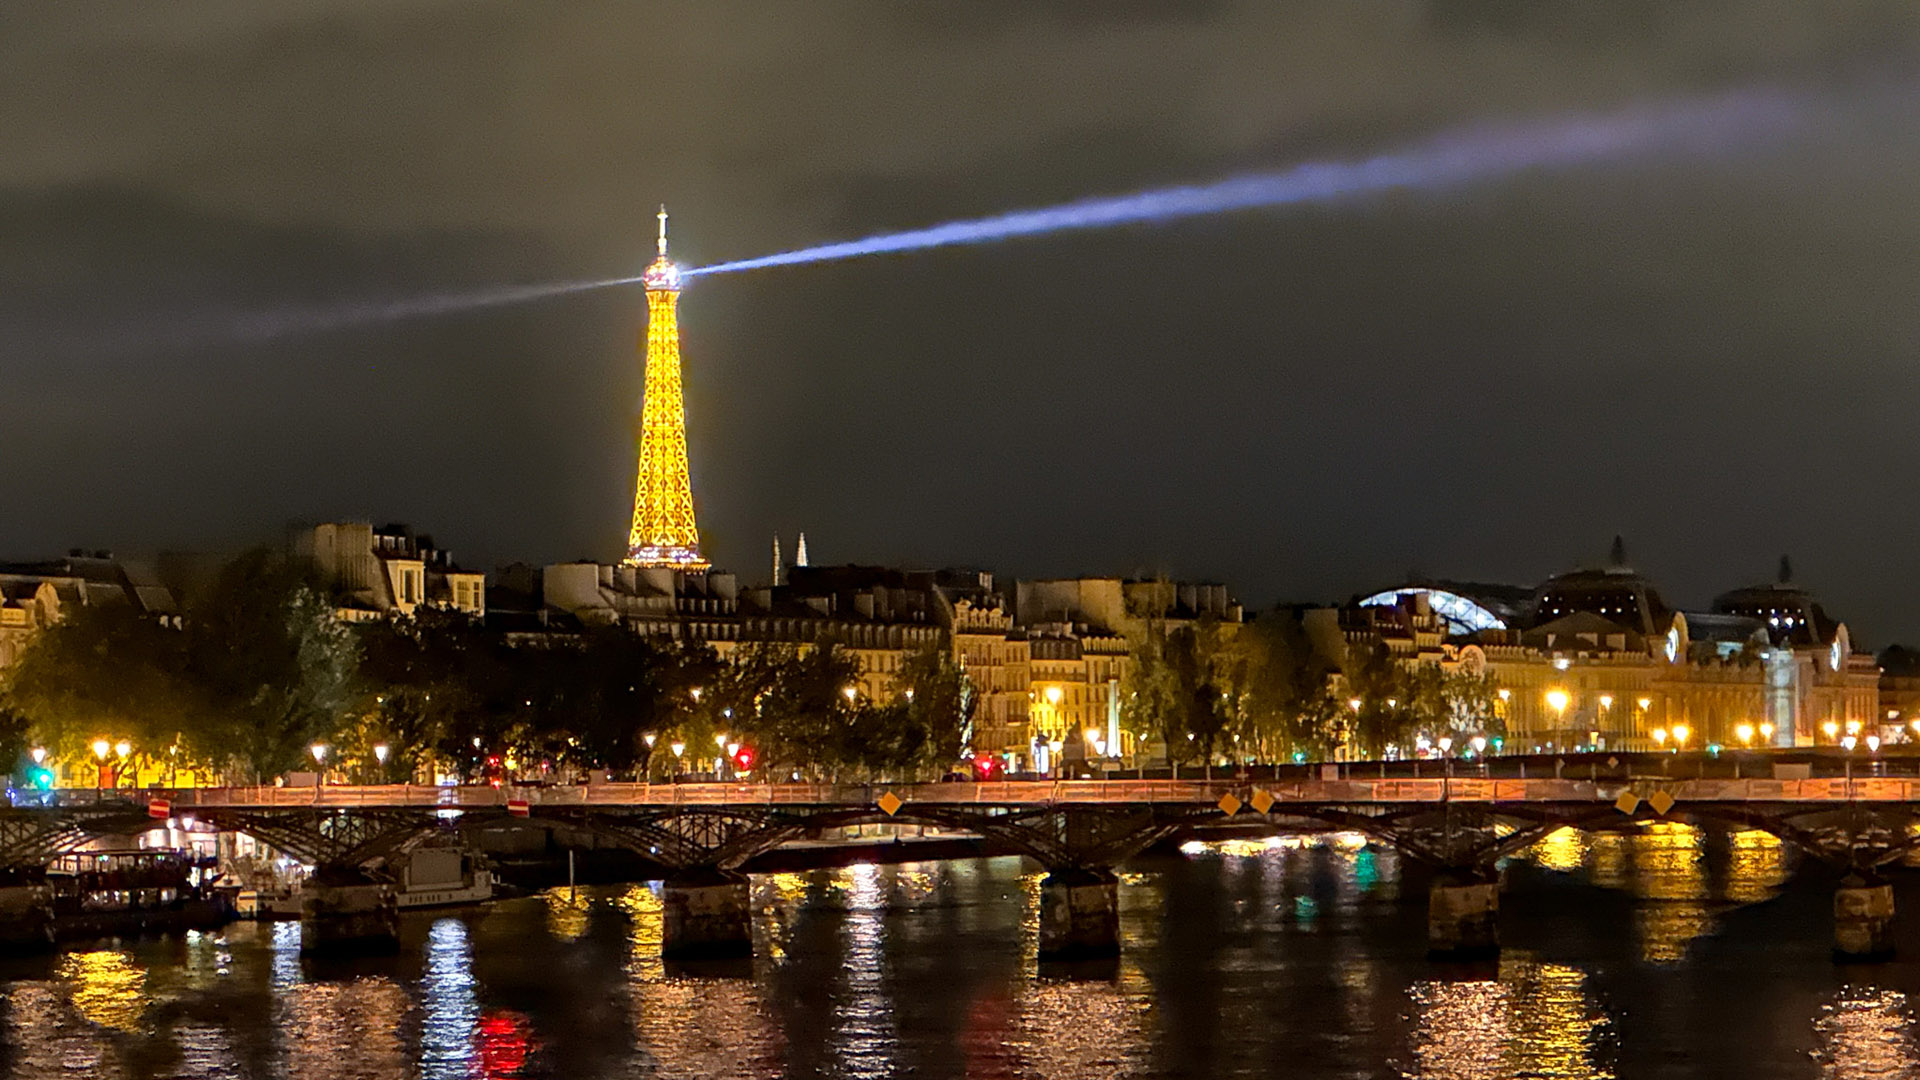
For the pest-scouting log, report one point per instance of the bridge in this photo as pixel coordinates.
(701, 834)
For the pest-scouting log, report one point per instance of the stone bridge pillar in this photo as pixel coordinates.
(1079, 914)
(26, 917)
(348, 916)
(1463, 917)
(1862, 919)
(706, 913)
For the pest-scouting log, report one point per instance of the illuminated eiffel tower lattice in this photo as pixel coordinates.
(663, 532)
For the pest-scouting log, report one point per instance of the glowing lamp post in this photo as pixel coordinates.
(1831, 729)
(1766, 734)
(101, 748)
(1745, 733)
(1680, 733)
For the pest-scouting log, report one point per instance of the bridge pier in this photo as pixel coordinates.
(26, 918)
(1463, 917)
(706, 913)
(1079, 914)
(1862, 919)
(359, 916)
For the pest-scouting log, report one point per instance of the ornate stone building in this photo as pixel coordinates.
(1598, 658)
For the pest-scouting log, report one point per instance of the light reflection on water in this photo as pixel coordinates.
(1866, 1033)
(1664, 865)
(1534, 1019)
(1301, 958)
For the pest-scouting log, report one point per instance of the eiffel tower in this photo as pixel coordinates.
(663, 532)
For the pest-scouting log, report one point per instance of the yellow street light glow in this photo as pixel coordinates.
(122, 748)
(1645, 704)
(39, 755)
(1745, 731)
(1053, 695)
(850, 692)
(1558, 699)
(1766, 731)
(1354, 704)
(1680, 733)
(380, 751)
(101, 748)
(319, 752)
(1853, 727)
(1660, 736)
(1505, 693)
(678, 748)
(1830, 728)
(720, 740)
(1606, 701)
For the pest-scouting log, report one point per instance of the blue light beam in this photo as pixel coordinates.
(1445, 161)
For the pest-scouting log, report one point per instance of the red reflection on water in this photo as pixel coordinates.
(505, 1042)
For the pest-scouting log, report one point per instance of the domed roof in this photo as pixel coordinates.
(1616, 593)
(1790, 613)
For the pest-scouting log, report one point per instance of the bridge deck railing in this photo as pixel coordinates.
(1018, 793)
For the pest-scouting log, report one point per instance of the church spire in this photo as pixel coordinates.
(779, 567)
(800, 551)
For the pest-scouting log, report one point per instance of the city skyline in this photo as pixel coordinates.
(1486, 384)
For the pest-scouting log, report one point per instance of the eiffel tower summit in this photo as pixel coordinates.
(663, 532)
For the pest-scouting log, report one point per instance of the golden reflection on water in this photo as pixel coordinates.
(108, 988)
(1756, 866)
(1534, 1019)
(1563, 849)
(1866, 1033)
(646, 924)
(567, 913)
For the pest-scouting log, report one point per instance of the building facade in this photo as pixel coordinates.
(1596, 658)
(377, 572)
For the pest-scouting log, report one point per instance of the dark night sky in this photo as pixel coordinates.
(1716, 357)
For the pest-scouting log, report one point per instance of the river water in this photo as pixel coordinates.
(1668, 953)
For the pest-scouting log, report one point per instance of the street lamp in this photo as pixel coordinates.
(850, 692)
(1766, 733)
(1680, 733)
(39, 755)
(1832, 729)
(648, 739)
(1745, 733)
(1479, 744)
(380, 752)
(1660, 737)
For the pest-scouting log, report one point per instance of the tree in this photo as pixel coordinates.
(112, 672)
(1287, 703)
(938, 706)
(274, 667)
(1181, 687)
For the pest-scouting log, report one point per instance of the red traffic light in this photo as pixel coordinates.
(743, 758)
(985, 766)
